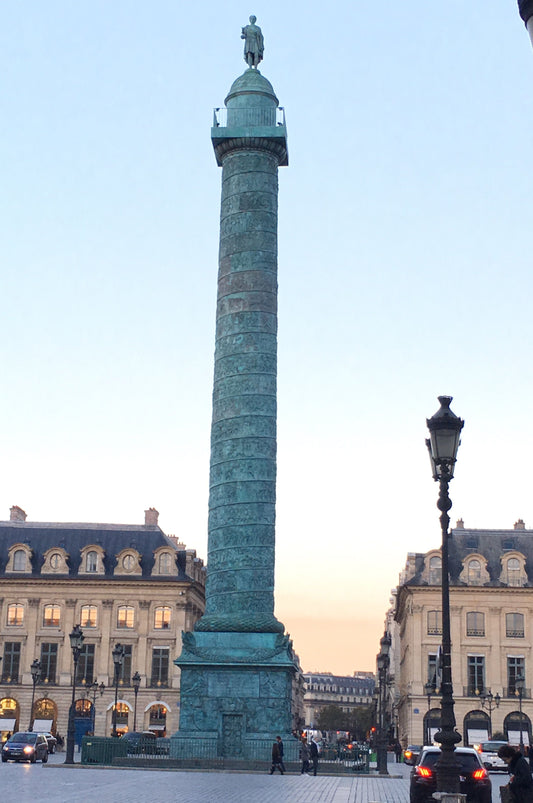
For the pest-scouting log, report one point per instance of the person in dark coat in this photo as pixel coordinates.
(313, 750)
(521, 782)
(304, 755)
(277, 762)
(280, 746)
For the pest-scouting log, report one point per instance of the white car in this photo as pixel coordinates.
(488, 753)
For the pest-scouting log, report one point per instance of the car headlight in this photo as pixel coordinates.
(28, 749)
(5, 747)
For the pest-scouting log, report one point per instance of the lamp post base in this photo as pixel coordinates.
(449, 797)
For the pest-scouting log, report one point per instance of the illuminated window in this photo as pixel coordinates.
(162, 618)
(125, 616)
(51, 616)
(160, 662)
(15, 615)
(89, 616)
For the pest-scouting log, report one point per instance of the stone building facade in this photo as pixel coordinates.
(345, 691)
(491, 610)
(127, 584)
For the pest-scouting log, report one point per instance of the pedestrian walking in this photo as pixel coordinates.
(277, 763)
(520, 783)
(398, 752)
(280, 746)
(304, 756)
(313, 750)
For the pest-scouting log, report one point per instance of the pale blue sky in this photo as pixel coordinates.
(405, 272)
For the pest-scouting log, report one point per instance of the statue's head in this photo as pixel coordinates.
(253, 19)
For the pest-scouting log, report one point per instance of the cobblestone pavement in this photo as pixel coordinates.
(24, 783)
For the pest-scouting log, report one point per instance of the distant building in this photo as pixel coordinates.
(346, 691)
(127, 584)
(491, 606)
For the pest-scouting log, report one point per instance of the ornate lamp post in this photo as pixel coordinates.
(491, 702)
(136, 681)
(118, 658)
(526, 12)
(35, 670)
(444, 438)
(76, 643)
(93, 689)
(383, 666)
(519, 691)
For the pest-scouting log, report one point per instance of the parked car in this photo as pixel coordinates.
(488, 753)
(411, 753)
(26, 746)
(140, 742)
(474, 778)
(52, 741)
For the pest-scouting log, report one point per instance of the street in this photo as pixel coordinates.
(22, 783)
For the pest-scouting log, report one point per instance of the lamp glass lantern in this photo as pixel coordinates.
(444, 439)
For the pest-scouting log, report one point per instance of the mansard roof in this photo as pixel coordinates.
(493, 545)
(74, 537)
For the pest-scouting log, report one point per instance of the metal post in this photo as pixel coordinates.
(35, 670)
(445, 430)
(76, 642)
(118, 657)
(519, 688)
(136, 680)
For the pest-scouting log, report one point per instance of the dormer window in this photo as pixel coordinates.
(435, 570)
(128, 562)
(19, 561)
(165, 562)
(513, 572)
(91, 561)
(474, 572)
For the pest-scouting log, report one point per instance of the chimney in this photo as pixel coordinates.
(150, 517)
(17, 514)
(460, 524)
(519, 525)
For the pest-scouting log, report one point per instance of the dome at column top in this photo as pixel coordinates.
(251, 82)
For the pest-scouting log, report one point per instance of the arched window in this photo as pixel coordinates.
(435, 570)
(513, 572)
(19, 561)
(475, 623)
(474, 572)
(91, 562)
(125, 617)
(165, 563)
(514, 625)
(89, 616)
(434, 623)
(51, 616)
(15, 615)
(162, 618)
(158, 719)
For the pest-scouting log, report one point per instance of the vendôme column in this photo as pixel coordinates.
(237, 667)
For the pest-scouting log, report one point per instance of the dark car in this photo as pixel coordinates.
(26, 746)
(51, 739)
(140, 742)
(411, 753)
(474, 778)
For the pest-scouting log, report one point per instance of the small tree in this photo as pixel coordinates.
(357, 721)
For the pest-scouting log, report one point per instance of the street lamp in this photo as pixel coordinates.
(136, 680)
(526, 12)
(118, 658)
(444, 438)
(35, 670)
(383, 666)
(491, 702)
(76, 643)
(93, 689)
(519, 691)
